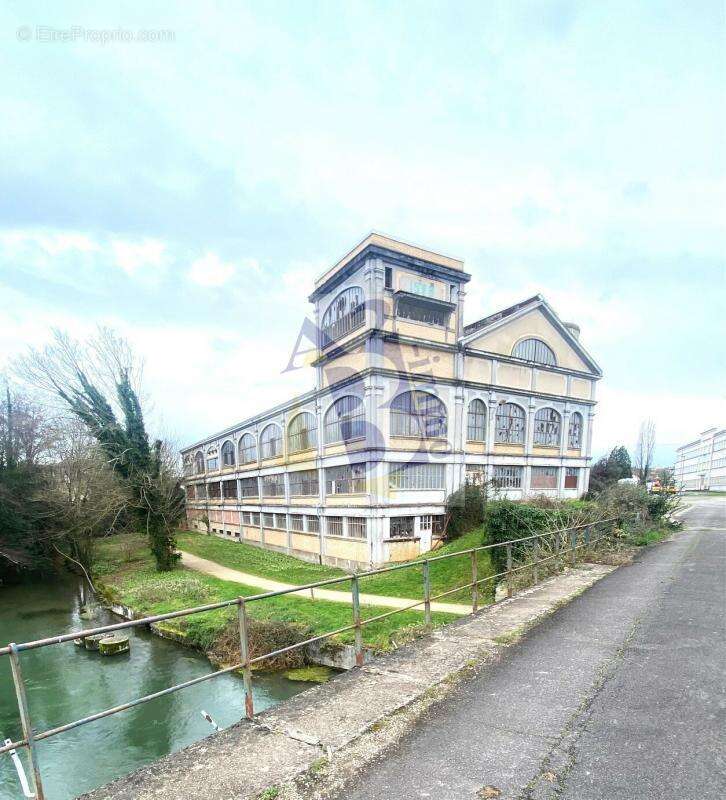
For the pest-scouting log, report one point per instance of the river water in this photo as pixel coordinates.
(65, 682)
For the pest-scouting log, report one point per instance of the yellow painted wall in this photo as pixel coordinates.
(344, 366)
(415, 443)
(545, 451)
(340, 449)
(551, 382)
(574, 453)
(477, 369)
(580, 388)
(276, 537)
(419, 330)
(476, 447)
(401, 551)
(503, 339)
(252, 533)
(351, 549)
(514, 376)
(255, 500)
(407, 358)
(346, 499)
(508, 449)
(303, 456)
(308, 542)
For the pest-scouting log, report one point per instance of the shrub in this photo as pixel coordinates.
(465, 510)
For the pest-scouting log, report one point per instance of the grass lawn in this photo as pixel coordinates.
(445, 574)
(125, 567)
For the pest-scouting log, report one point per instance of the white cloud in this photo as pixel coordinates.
(134, 258)
(211, 271)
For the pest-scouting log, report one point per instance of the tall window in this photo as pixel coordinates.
(334, 526)
(271, 442)
(302, 434)
(476, 424)
(346, 479)
(510, 423)
(212, 461)
(199, 463)
(547, 425)
(273, 485)
(344, 314)
(214, 490)
(416, 476)
(190, 492)
(357, 528)
(507, 477)
(574, 434)
(200, 491)
(247, 449)
(249, 487)
(297, 522)
(229, 490)
(303, 483)
(418, 414)
(535, 350)
(228, 454)
(345, 420)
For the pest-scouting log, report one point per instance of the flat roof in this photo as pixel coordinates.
(381, 240)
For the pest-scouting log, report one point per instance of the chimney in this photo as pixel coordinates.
(573, 329)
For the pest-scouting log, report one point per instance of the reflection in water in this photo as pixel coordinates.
(65, 683)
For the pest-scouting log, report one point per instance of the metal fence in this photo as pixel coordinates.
(576, 538)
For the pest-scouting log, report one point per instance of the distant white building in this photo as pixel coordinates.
(701, 464)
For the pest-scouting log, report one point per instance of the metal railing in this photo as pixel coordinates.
(578, 537)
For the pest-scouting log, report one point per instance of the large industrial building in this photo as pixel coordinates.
(701, 464)
(408, 403)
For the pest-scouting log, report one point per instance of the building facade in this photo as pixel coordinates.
(408, 404)
(701, 464)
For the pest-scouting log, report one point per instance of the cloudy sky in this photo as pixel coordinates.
(187, 191)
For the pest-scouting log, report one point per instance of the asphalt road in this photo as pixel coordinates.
(618, 696)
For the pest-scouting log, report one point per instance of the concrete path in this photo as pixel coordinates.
(266, 585)
(620, 695)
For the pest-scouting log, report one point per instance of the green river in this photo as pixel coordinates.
(65, 683)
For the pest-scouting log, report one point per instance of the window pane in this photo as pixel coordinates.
(345, 479)
(418, 414)
(345, 420)
(416, 476)
(535, 350)
(547, 427)
(273, 485)
(344, 314)
(544, 478)
(249, 487)
(334, 526)
(402, 527)
(510, 424)
(229, 490)
(357, 527)
(228, 454)
(574, 435)
(302, 433)
(313, 524)
(476, 421)
(271, 442)
(304, 483)
(507, 477)
(247, 449)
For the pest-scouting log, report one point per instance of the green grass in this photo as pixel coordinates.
(445, 574)
(125, 568)
(652, 536)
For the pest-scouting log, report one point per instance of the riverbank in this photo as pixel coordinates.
(125, 575)
(352, 718)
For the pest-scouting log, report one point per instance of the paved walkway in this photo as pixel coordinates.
(235, 576)
(620, 695)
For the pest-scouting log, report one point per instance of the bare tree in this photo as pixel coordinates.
(99, 381)
(643, 461)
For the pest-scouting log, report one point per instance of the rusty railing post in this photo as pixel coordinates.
(573, 547)
(474, 583)
(427, 592)
(355, 593)
(557, 560)
(24, 710)
(509, 570)
(244, 651)
(537, 553)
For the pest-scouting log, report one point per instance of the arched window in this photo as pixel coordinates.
(510, 424)
(574, 434)
(345, 420)
(547, 427)
(535, 350)
(212, 460)
(418, 414)
(344, 314)
(476, 425)
(199, 463)
(302, 434)
(247, 449)
(228, 454)
(271, 442)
